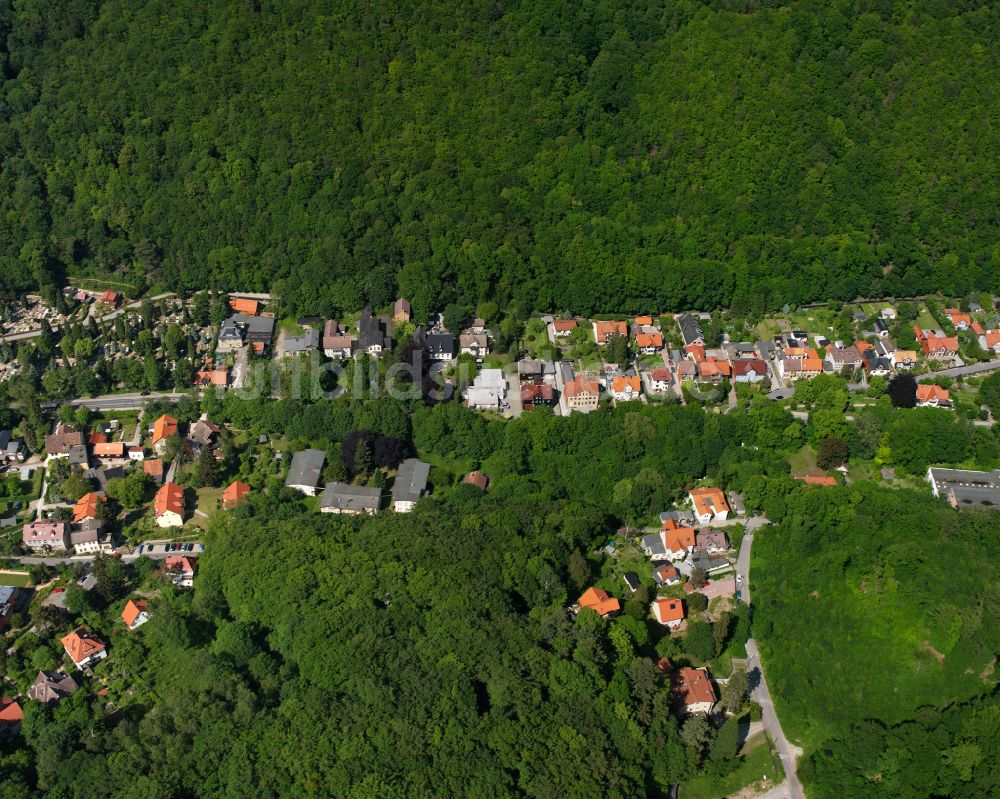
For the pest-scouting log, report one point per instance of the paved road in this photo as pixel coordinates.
(791, 788)
(118, 402)
(959, 371)
(22, 336)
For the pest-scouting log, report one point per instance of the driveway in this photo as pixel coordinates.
(959, 371)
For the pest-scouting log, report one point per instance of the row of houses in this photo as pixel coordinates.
(305, 474)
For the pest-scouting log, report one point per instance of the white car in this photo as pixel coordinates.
(739, 578)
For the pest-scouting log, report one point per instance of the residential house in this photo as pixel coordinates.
(163, 428)
(11, 448)
(203, 433)
(410, 484)
(306, 342)
(45, 534)
(154, 469)
(561, 328)
(477, 479)
(692, 691)
(712, 541)
(259, 331)
(488, 390)
(936, 347)
(110, 299)
(876, 364)
(750, 370)
(932, 396)
(475, 344)
(230, 336)
(625, 388)
(338, 343)
(881, 328)
(669, 612)
(597, 600)
(212, 377)
(667, 575)
(989, 340)
(12, 600)
(903, 359)
(349, 499)
(966, 488)
(534, 394)
(632, 581)
(50, 687)
(888, 313)
(110, 450)
(690, 328)
(244, 305)
(713, 370)
(11, 717)
(90, 538)
(672, 542)
(401, 311)
(78, 456)
(168, 505)
(799, 362)
(135, 613)
(181, 570)
(84, 647)
(660, 380)
(373, 334)
(603, 331)
(235, 495)
(649, 343)
(305, 471)
(441, 346)
(530, 369)
(961, 321)
(841, 358)
(59, 444)
(582, 394)
(89, 506)
(709, 505)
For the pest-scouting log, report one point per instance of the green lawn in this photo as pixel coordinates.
(290, 327)
(803, 462)
(16, 579)
(759, 767)
(925, 319)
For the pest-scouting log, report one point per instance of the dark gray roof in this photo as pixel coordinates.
(653, 544)
(372, 331)
(78, 455)
(966, 487)
(258, 328)
(677, 516)
(441, 344)
(306, 468)
(309, 340)
(411, 480)
(231, 330)
(690, 328)
(4, 438)
(345, 497)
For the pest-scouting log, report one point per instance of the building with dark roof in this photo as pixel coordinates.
(305, 471)
(350, 499)
(410, 484)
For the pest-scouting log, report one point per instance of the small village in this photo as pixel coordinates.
(131, 478)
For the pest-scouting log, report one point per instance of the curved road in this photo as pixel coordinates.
(791, 788)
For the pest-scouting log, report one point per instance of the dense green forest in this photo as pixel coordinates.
(588, 156)
(879, 615)
(429, 654)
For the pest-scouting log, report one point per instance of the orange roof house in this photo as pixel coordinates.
(709, 504)
(713, 369)
(245, 306)
(168, 505)
(477, 479)
(929, 394)
(10, 712)
(164, 427)
(111, 298)
(135, 613)
(677, 539)
(692, 690)
(598, 601)
(978, 329)
(649, 341)
(564, 325)
(110, 449)
(624, 388)
(97, 438)
(88, 507)
(696, 351)
(958, 319)
(233, 496)
(605, 330)
(212, 377)
(668, 611)
(83, 647)
(154, 468)
(644, 320)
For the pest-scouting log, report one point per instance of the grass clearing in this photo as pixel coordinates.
(803, 462)
(16, 579)
(759, 767)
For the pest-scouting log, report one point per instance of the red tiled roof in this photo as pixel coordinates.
(81, 644)
(691, 687)
(928, 392)
(244, 306)
(598, 600)
(564, 325)
(234, 494)
(132, 609)
(10, 711)
(477, 479)
(164, 427)
(170, 498)
(667, 610)
(86, 507)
